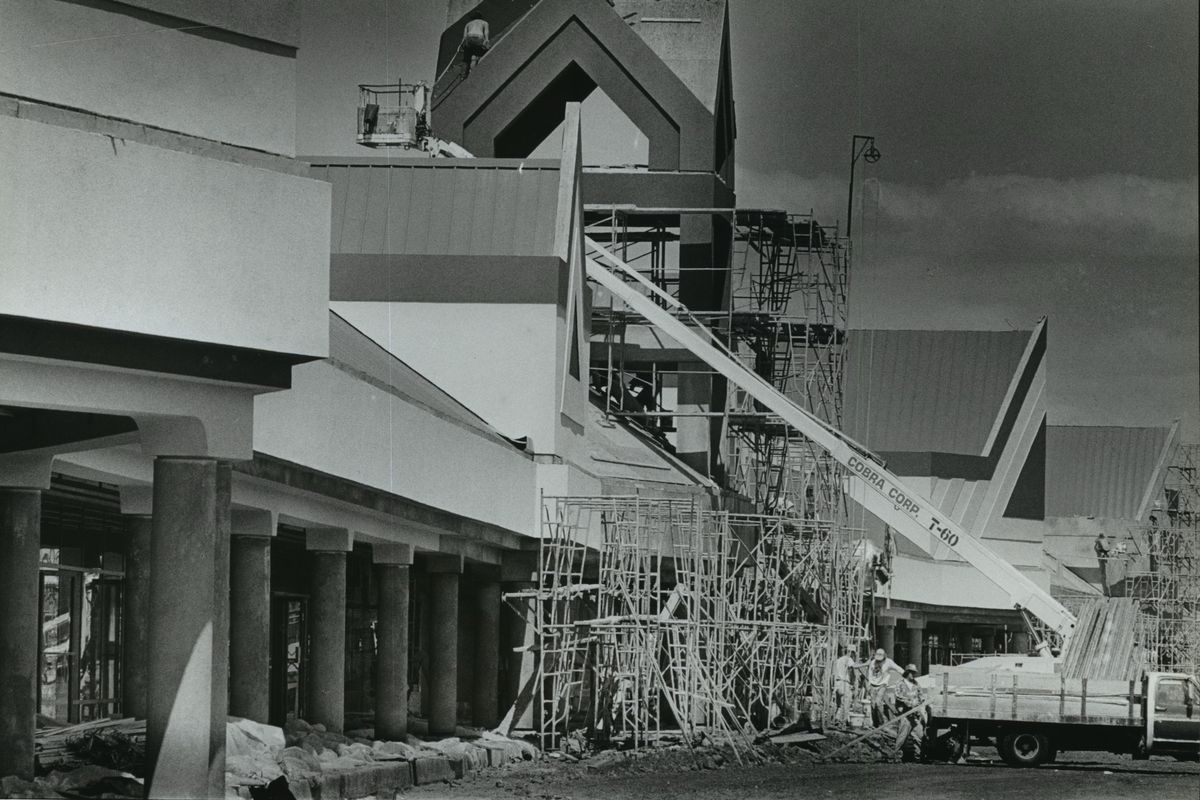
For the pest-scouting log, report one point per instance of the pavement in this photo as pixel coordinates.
(1093, 777)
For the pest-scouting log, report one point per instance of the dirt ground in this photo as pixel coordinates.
(709, 775)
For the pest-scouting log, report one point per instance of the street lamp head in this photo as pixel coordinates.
(872, 155)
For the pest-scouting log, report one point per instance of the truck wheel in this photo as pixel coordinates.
(1024, 749)
(1140, 751)
(948, 746)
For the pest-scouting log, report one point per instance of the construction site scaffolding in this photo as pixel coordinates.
(656, 614)
(1168, 590)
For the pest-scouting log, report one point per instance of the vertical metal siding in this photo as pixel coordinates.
(1099, 471)
(452, 208)
(928, 391)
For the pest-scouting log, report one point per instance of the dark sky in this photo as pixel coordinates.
(1039, 159)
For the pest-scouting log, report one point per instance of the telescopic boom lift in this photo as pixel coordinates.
(886, 496)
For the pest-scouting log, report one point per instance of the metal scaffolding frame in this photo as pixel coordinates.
(1168, 593)
(784, 314)
(737, 645)
(655, 615)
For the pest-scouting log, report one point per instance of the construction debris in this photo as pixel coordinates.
(312, 761)
(116, 743)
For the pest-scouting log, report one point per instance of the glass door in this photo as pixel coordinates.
(57, 654)
(80, 644)
(289, 651)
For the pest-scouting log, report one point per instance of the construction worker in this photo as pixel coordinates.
(908, 697)
(879, 671)
(1103, 551)
(475, 41)
(842, 688)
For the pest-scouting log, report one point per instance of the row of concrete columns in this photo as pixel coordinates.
(960, 638)
(198, 603)
(885, 629)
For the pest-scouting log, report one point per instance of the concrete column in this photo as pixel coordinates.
(1020, 642)
(694, 434)
(444, 572)
(135, 630)
(916, 642)
(885, 628)
(327, 626)
(393, 568)
(250, 614)
(486, 695)
(187, 654)
(512, 637)
(20, 541)
(962, 638)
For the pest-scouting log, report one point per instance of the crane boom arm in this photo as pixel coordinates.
(885, 495)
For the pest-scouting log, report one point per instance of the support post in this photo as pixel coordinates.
(135, 631)
(393, 564)
(885, 628)
(486, 695)
(327, 629)
(444, 572)
(916, 643)
(187, 656)
(250, 614)
(20, 542)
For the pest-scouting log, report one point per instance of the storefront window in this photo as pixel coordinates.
(80, 634)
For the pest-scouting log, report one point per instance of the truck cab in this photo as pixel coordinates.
(1171, 714)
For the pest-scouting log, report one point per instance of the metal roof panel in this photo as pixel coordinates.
(442, 206)
(1100, 471)
(928, 391)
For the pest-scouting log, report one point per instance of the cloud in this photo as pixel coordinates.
(1101, 203)
(994, 217)
(1111, 260)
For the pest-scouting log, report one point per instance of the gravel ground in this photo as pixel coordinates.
(794, 773)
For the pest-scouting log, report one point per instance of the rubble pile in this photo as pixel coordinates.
(317, 763)
(88, 781)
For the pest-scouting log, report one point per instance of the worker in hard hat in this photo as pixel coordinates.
(879, 671)
(912, 727)
(1103, 554)
(475, 41)
(843, 687)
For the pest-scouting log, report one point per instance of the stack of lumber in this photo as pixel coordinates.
(1103, 646)
(51, 744)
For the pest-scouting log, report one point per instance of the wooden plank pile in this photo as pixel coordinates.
(1104, 645)
(67, 748)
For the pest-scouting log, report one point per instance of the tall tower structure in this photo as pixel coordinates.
(666, 66)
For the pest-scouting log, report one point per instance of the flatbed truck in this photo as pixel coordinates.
(1032, 717)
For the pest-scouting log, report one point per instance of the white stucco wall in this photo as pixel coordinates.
(115, 65)
(332, 422)
(498, 359)
(954, 584)
(121, 235)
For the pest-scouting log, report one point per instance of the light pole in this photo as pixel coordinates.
(860, 147)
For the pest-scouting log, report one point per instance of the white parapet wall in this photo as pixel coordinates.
(117, 234)
(135, 66)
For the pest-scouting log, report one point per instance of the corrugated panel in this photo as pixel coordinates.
(1100, 471)
(928, 391)
(443, 206)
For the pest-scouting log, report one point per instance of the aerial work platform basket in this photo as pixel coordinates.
(393, 115)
